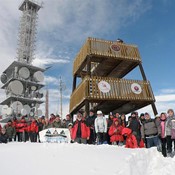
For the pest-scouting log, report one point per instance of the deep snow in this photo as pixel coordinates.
(63, 159)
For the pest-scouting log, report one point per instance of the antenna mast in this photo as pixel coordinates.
(62, 87)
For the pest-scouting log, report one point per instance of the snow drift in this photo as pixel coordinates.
(53, 159)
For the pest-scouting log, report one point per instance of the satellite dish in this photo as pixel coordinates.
(17, 106)
(27, 108)
(38, 76)
(24, 72)
(3, 78)
(33, 88)
(9, 111)
(4, 109)
(16, 87)
(41, 91)
(23, 112)
(31, 113)
(38, 112)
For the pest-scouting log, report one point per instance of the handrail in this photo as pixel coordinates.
(102, 48)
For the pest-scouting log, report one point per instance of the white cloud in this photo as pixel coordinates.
(167, 91)
(43, 62)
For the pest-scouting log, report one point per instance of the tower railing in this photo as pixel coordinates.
(104, 49)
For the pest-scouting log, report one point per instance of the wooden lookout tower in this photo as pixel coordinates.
(101, 66)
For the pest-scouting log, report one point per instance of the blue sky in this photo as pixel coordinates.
(64, 26)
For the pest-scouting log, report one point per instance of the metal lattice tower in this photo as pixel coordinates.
(27, 30)
(22, 81)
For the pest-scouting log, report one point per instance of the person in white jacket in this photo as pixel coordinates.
(101, 128)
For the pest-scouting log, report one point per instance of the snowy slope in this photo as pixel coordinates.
(64, 159)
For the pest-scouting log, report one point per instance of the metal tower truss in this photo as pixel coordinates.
(22, 81)
(27, 31)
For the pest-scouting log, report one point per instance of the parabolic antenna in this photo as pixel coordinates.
(33, 88)
(9, 111)
(38, 76)
(23, 112)
(17, 106)
(27, 108)
(31, 113)
(4, 109)
(24, 72)
(3, 78)
(16, 87)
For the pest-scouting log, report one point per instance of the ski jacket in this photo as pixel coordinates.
(0, 127)
(115, 133)
(85, 131)
(169, 124)
(56, 124)
(3, 138)
(101, 125)
(90, 121)
(134, 125)
(162, 128)
(150, 128)
(22, 126)
(10, 131)
(131, 141)
(33, 127)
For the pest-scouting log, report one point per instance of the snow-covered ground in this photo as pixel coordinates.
(66, 159)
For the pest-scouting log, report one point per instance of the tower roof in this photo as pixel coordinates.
(31, 4)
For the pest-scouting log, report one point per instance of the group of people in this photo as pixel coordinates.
(136, 132)
(27, 129)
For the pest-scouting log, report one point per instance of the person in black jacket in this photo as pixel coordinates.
(3, 136)
(135, 126)
(90, 123)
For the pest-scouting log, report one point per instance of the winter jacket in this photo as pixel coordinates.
(131, 141)
(162, 128)
(101, 125)
(110, 122)
(33, 127)
(84, 130)
(22, 126)
(40, 126)
(90, 121)
(150, 128)
(10, 131)
(47, 126)
(3, 138)
(115, 133)
(14, 124)
(67, 123)
(168, 126)
(134, 125)
(56, 124)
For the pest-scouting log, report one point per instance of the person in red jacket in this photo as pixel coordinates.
(33, 130)
(131, 141)
(115, 133)
(80, 132)
(14, 124)
(21, 127)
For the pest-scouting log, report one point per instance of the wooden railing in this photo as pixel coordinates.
(120, 90)
(98, 47)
